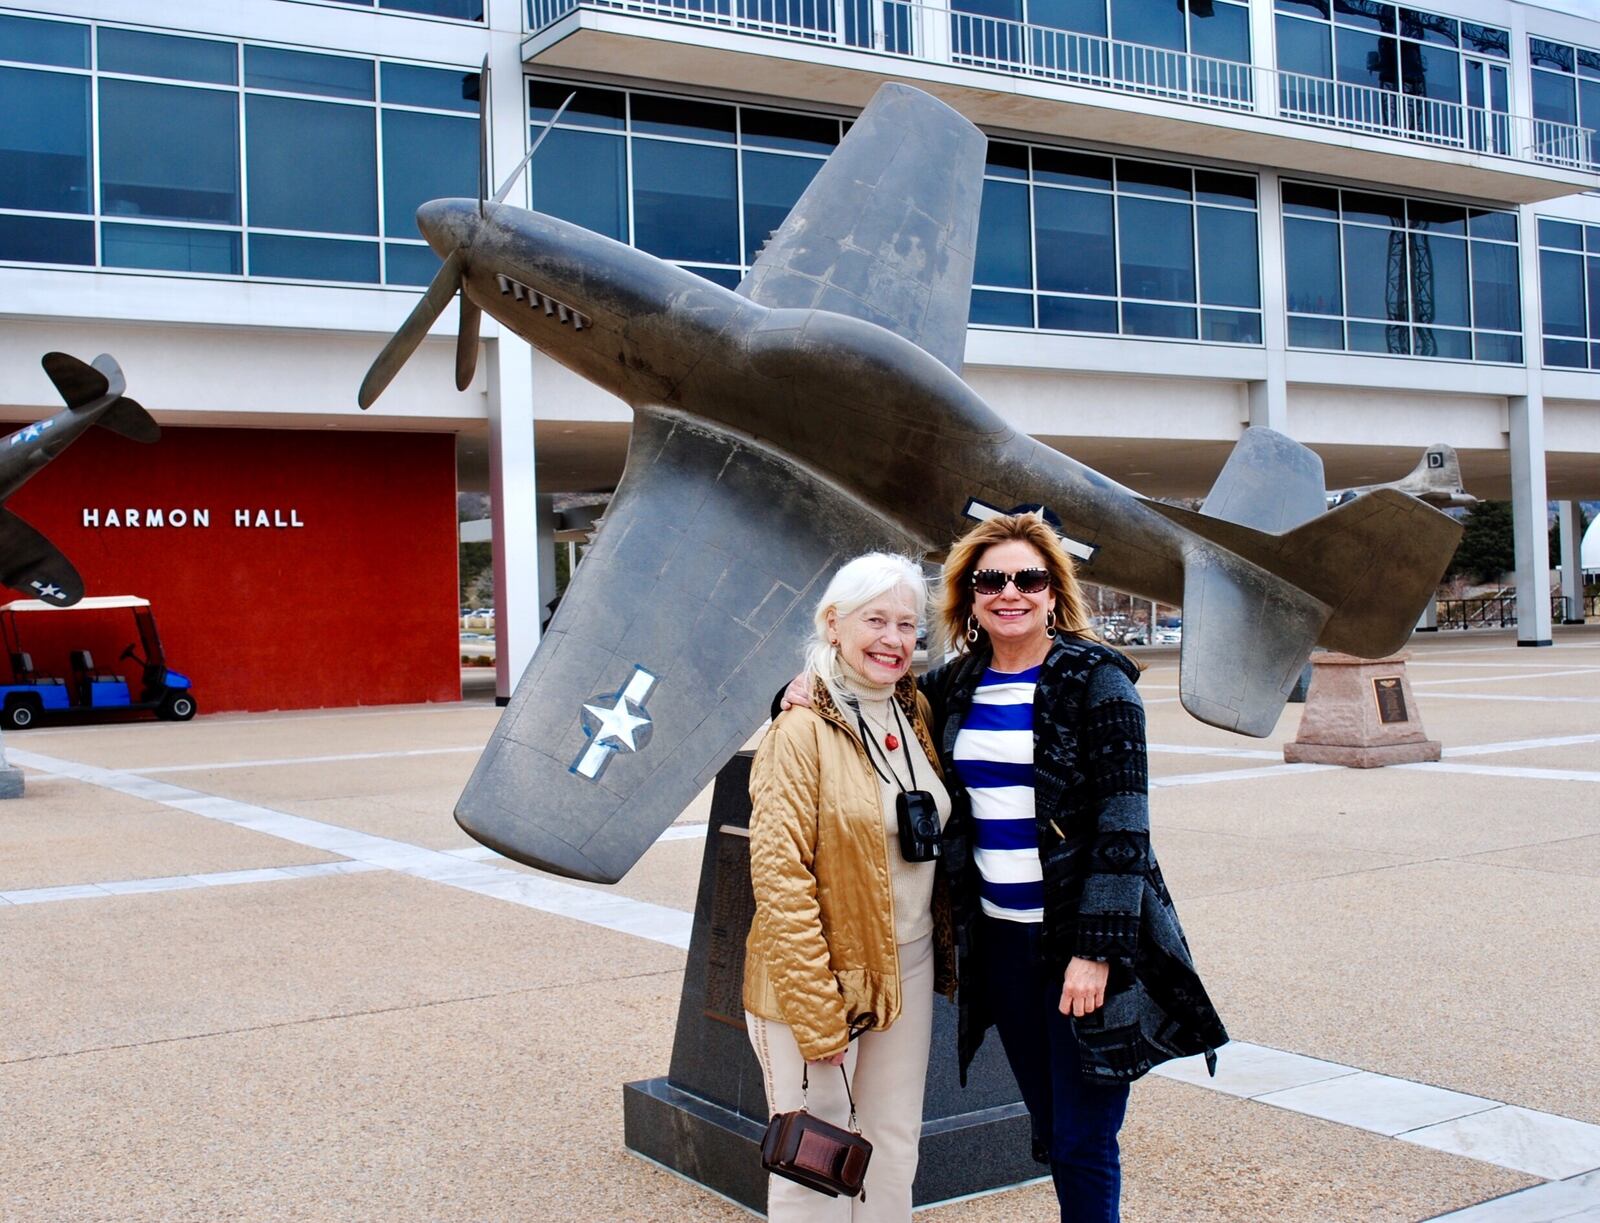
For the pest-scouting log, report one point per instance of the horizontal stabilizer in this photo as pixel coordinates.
(81, 383)
(32, 564)
(131, 421)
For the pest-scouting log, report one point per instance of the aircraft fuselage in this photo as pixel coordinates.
(27, 450)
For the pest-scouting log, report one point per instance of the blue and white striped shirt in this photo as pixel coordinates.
(994, 759)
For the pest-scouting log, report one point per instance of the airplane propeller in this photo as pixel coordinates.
(449, 277)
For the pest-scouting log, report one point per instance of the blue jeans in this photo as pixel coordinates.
(1075, 1120)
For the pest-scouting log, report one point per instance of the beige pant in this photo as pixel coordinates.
(888, 1071)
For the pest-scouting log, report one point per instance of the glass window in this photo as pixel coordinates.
(1311, 259)
(1486, 40)
(1308, 8)
(167, 151)
(582, 177)
(409, 265)
(1562, 234)
(425, 157)
(606, 108)
(1428, 27)
(1571, 353)
(158, 248)
(1365, 59)
(775, 129)
(1001, 309)
(44, 141)
(1303, 48)
(1487, 347)
(1157, 249)
(313, 165)
(1230, 326)
(1438, 342)
(1588, 63)
(464, 10)
(1593, 266)
(682, 117)
(1561, 287)
(1439, 280)
(1163, 322)
(1316, 333)
(1302, 199)
(1366, 14)
(1006, 160)
(1152, 178)
(46, 240)
(1374, 209)
(1149, 23)
(1375, 273)
(1373, 337)
(687, 202)
(1003, 233)
(179, 59)
(436, 88)
(1211, 187)
(44, 42)
(1228, 247)
(1437, 218)
(1077, 314)
(1431, 73)
(313, 258)
(1223, 32)
(1077, 249)
(333, 76)
(772, 184)
(1081, 16)
(1499, 225)
(1071, 169)
(1554, 98)
(1543, 54)
(1496, 292)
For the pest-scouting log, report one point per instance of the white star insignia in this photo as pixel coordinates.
(617, 723)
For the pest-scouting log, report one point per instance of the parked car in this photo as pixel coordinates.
(1169, 635)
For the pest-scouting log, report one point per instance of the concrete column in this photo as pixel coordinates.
(513, 505)
(1269, 397)
(1572, 561)
(1530, 514)
(1264, 55)
(544, 531)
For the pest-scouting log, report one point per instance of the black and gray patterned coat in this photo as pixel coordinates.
(1104, 897)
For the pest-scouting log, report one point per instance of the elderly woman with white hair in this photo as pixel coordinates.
(852, 931)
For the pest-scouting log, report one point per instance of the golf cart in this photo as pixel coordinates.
(86, 690)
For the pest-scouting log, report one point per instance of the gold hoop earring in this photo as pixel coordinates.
(972, 629)
(1050, 623)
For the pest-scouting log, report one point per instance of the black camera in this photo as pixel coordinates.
(919, 826)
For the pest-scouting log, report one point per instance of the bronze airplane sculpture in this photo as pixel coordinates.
(28, 561)
(1435, 479)
(815, 413)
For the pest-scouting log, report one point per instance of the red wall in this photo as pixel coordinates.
(356, 606)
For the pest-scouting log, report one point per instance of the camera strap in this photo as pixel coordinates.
(906, 740)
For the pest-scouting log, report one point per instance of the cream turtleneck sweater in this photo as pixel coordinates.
(912, 882)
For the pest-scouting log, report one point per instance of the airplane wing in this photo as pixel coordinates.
(888, 228)
(81, 382)
(687, 614)
(32, 564)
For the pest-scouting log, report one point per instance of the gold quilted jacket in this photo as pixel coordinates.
(821, 952)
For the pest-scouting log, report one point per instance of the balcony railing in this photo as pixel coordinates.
(942, 35)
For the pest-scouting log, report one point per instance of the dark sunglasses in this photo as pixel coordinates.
(993, 581)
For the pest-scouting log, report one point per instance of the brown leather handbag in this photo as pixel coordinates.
(816, 1153)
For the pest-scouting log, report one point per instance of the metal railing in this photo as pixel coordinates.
(943, 35)
(1499, 610)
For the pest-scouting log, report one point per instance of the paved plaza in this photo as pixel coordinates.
(250, 969)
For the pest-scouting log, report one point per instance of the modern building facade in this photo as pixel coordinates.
(1364, 224)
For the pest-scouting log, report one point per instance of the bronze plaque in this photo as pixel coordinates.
(733, 906)
(1391, 698)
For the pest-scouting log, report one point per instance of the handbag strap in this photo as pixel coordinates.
(805, 1084)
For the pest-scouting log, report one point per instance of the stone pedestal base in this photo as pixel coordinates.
(10, 782)
(706, 1117)
(1360, 713)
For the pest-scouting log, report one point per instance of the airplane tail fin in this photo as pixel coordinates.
(129, 419)
(83, 382)
(1267, 577)
(1439, 470)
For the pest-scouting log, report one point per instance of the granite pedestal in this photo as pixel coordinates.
(705, 1119)
(1360, 713)
(10, 777)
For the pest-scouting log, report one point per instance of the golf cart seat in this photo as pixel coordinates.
(22, 670)
(84, 677)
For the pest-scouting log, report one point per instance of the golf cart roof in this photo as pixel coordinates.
(96, 603)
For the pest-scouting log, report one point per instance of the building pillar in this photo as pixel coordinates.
(1530, 518)
(1264, 57)
(1572, 561)
(544, 533)
(514, 513)
(1269, 397)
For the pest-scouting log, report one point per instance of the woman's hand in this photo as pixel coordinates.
(798, 692)
(1084, 990)
(836, 1060)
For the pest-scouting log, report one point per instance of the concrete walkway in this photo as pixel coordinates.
(250, 969)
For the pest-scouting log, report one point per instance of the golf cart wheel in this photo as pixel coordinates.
(21, 712)
(176, 707)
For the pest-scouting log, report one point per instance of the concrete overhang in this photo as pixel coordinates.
(703, 57)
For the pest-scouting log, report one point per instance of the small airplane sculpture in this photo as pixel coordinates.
(28, 561)
(1436, 479)
(815, 413)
